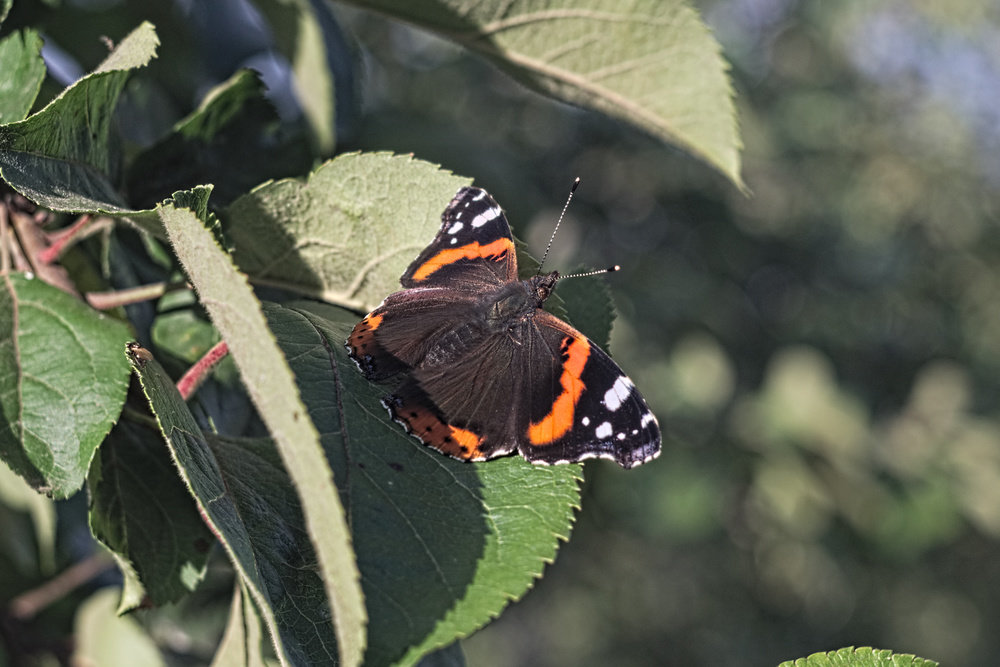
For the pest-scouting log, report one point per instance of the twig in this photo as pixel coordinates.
(198, 373)
(114, 298)
(28, 604)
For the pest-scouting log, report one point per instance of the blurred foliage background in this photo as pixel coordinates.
(822, 354)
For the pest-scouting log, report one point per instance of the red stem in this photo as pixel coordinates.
(61, 240)
(198, 373)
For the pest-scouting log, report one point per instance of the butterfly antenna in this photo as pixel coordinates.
(572, 189)
(595, 272)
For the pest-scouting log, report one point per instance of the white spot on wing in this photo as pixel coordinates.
(456, 228)
(480, 196)
(484, 217)
(646, 419)
(620, 390)
(603, 431)
(585, 421)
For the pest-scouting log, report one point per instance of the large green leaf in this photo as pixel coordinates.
(340, 235)
(652, 63)
(23, 70)
(442, 545)
(285, 229)
(142, 511)
(862, 657)
(16, 494)
(241, 644)
(236, 313)
(62, 382)
(247, 499)
(107, 639)
(63, 156)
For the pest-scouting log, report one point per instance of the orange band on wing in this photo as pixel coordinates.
(468, 444)
(374, 320)
(560, 420)
(495, 250)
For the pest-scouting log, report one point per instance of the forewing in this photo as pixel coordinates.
(398, 334)
(580, 403)
(473, 249)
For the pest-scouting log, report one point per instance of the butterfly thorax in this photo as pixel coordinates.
(515, 302)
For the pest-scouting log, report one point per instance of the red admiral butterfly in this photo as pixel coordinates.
(487, 370)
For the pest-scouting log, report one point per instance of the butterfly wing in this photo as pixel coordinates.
(463, 410)
(406, 327)
(546, 391)
(472, 250)
(579, 402)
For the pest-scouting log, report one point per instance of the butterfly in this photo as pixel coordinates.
(485, 370)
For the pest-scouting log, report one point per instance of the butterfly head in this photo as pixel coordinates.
(542, 286)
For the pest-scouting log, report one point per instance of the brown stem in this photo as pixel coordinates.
(28, 604)
(124, 297)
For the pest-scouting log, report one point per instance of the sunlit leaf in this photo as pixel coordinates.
(62, 382)
(63, 157)
(341, 235)
(23, 68)
(254, 516)
(862, 657)
(104, 638)
(442, 545)
(652, 63)
(236, 313)
(241, 643)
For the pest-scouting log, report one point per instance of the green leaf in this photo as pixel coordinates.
(63, 156)
(23, 68)
(236, 313)
(299, 36)
(241, 642)
(245, 496)
(862, 657)
(195, 199)
(652, 63)
(588, 304)
(341, 235)
(283, 225)
(234, 125)
(144, 514)
(104, 638)
(16, 494)
(62, 383)
(449, 656)
(442, 545)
